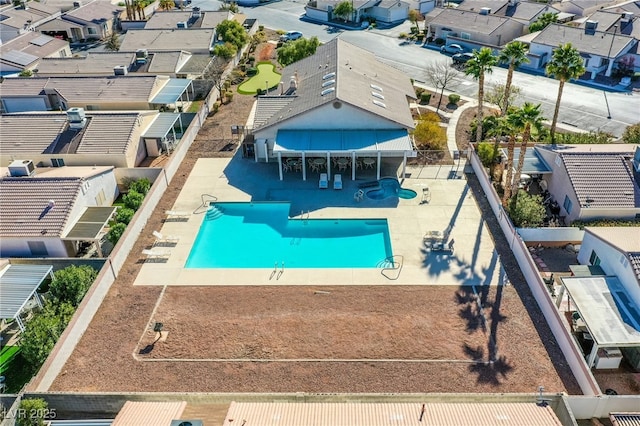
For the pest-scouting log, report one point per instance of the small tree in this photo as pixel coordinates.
(429, 135)
(632, 134)
(215, 72)
(497, 96)
(43, 331)
(232, 32)
(124, 215)
(167, 4)
(133, 199)
(526, 211)
(113, 43)
(414, 17)
(440, 75)
(543, 21)
(296, 50)
(344, 10)
(32, 412)
(70, 284)
(115, 232)
(25, 73)
(225, 50)
(141, 185)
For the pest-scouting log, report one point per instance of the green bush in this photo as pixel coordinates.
(606, 223)
(526, 211)
(252, 71)
(133, 200)
(429, 135)
(403, 35)
(419, 91)
(425, 98)
(582, 138)
(454, 99)
(35, 412)
(486, 154)
(71, 283)
(260, 27)
(124, 215)
(115, 232)
(141, 185)
(43, 331)
(632, 134)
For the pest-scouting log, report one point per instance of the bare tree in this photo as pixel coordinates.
(215, 73)
(440, 75)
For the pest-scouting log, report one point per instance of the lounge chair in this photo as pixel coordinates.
(154, 254)
(337, 181)
(164, 239)
(175, 214)
(324, 181)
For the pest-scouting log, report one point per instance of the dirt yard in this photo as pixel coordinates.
(404, 339)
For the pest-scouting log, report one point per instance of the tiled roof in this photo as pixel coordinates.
(356, 74)
(599, 43)
(634, 258)
(194, 40)
(26, 209)
(469, 21)
(100, 63)
(97, 11)
(602, 180)
(34, 43)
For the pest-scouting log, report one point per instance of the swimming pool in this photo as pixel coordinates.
(390, 187)
(258, 235)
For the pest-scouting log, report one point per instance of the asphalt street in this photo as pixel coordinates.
(582, 107)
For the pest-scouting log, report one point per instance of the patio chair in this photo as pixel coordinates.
(359, 195)
(337, 181)
(155, 254)
(175, 214)
(426, 195)
(324, 181)
(164, 239)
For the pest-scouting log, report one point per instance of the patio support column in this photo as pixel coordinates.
(592, 356)
(404, 164)
(38, 299)
(328, 165)
(181, 126)
(353, 165)
(304, 166)
(98, 248)
(378, 165)
(19, 321)
(266, 151)
(280, 165)
(560, 296)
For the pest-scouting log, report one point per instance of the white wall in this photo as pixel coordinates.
(610, 262)
(559, 185)
(19, 247)
(560, 235)
(317, 14)
(38, 103)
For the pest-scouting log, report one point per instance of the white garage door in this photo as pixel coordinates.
(24, 104)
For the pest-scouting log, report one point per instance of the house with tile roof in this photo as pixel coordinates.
(599, 49)
(584, 7)
(340, 101)
(194, 18)
(30, 16)
(25, 52)
(593, 181)
(94, 20)
(113, 93)
(48, 214)
(471, 29)
(195, 40)
(383, 11)
(51, 139)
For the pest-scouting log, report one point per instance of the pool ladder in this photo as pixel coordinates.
(392, 266)
(303, 217)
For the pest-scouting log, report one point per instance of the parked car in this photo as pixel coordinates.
(290, 35)
(461, 58)
(451, 48)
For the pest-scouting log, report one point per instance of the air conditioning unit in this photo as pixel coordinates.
(485, 11)
(76, 118)
(119, 70)
(626, 17)
(182, 24)
(19, 168)
(77, 4)
(187, 423)
(195, 13)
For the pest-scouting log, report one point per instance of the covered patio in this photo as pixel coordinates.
(339, 150)
(18, 285)
(176, 90)
(604, 313)
(161, 135)
(91, 227)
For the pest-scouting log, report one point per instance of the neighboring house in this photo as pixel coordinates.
(114, 93)
(422, 6)
(49, 213)
(25, 52)
(119, 139)
(599, 49)
(584, 7)
(95, 20)
(632, 6)
(383, 11)
(195, 18)
(526, 12)
(25, 18)
(176, 64)
(339, 102)
(593, 181)
(472, 29)
(626, 23)
(195, 40)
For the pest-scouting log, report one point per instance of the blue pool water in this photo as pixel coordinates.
(390, 187)
(257, 235)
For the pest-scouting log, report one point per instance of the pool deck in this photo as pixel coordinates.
(473, 262)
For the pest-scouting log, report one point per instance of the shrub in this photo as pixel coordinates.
(429, 135)
(124, 215)
(425, 98)
(252, 71)
(260, 27)
(454, 99)
(133, 200)
(403, 35)
(581, 138)
(141, 185)
(71, 283)
(486, 154)
(419, 91)
(430, 116)
(229, 96)
(526, 211)
(259, 92)
(42, 333)
(632, 134)
(35, 411)
(115, 232)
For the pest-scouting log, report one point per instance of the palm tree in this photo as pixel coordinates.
(566, 63)
(514, 54)
(167, 4)
(510, 128)
(482, 62)
(525, 118)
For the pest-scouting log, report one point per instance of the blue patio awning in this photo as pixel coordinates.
(172, 91)
(533, 163)
(392, 141)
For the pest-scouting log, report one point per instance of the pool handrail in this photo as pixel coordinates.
(394, 267)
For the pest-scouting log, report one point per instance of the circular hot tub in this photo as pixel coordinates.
(390, 187)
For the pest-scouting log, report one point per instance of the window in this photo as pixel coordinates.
(567, 204)
(465, 36)
(594, 259)
(558, 161)
(100, 198)
(38, 248)
(92, 31)
(57, 162)
(623, 260)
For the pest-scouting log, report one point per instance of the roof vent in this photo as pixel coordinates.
(76, 118)
(119, 70)
(377, 95)
(380, 104)
(328, 83)
(327, 91)
(485, 11)
(182, 24)
(378, 88)
(590, 26)
(328, 76)
(19, 168)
